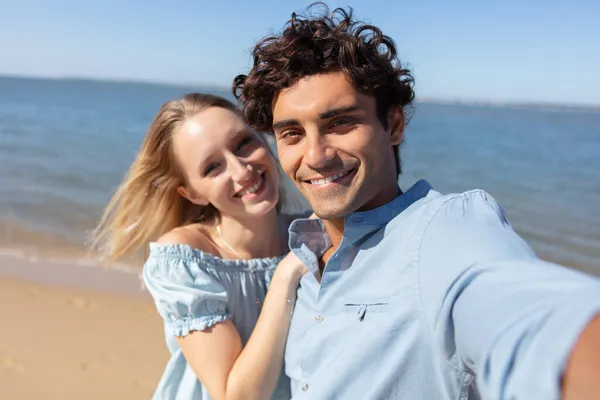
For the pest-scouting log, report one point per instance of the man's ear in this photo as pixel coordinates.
(396, 125)
(192, 196)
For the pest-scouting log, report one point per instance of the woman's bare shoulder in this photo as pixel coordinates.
(194, 235)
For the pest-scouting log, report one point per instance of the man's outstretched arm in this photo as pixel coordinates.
(581, 380)
(521, 325)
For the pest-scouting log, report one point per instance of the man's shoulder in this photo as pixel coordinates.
(448, 214)
(471, 206)
(472, 203)
(467, 227)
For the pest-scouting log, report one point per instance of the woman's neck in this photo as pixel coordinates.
(252, 237)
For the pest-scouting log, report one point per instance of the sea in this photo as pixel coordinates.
(65, 144)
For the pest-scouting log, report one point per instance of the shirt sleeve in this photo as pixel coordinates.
(494, 308)
(186, 296)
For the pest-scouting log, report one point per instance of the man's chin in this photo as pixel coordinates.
(330, 207)
(330, 212)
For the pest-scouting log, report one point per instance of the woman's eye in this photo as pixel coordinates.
(210, 168)
(244, 142)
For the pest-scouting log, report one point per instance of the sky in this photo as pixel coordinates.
(501, 51)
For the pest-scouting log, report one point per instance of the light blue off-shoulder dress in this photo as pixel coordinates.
(194, 290)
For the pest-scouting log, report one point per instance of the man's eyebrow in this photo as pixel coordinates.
(338, 111)
(286, 123)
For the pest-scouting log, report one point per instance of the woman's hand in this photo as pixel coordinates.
(290, 270)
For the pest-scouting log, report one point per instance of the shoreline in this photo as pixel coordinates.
(77, 269)
(73, 273)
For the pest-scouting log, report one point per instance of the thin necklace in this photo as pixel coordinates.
(227, 243)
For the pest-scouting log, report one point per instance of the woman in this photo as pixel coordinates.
(203, 192)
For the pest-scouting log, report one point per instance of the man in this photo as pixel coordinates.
(412, 295)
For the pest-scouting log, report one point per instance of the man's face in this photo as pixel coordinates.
(333, 146)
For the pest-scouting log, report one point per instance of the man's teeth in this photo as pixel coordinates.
(328, 179)
(252, 188)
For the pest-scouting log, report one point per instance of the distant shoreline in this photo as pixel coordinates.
(514, 105)
(537, 105)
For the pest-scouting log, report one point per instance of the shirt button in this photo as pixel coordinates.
(304, 387)
(319, 318)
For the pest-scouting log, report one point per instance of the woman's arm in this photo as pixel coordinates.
(216, 354)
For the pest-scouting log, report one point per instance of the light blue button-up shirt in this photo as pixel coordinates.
(432, 297)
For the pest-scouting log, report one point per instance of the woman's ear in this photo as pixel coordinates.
(192, 196)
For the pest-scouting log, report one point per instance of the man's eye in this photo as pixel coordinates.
(342, 121)
(289, 134)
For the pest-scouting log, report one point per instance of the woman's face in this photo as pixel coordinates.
(226, 164)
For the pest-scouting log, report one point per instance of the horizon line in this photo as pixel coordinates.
(225, 89)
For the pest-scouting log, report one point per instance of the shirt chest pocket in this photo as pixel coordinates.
(368, 313)
(383, 313)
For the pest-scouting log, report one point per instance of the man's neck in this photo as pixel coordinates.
(335, 227)
(335, 230)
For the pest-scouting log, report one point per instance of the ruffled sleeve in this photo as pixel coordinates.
(186, 296)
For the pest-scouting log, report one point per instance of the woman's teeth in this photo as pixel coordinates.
(253, 188)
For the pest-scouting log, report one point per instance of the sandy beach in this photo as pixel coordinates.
(75, 332)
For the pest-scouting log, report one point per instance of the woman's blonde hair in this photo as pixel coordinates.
(146, 205)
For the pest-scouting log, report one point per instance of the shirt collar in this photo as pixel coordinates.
(310, 234)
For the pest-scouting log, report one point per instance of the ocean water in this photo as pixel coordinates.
(65, 145)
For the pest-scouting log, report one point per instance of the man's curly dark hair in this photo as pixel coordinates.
(327, 42)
